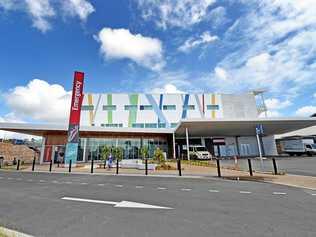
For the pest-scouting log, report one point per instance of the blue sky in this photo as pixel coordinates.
(155, 46)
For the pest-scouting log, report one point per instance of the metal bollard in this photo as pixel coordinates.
(58, 162)
(70, 161)
(275, 166)
(146, 166)
(92, 161)
(250, 167)
(104, 164)
(117, 166)
(179, 167)
(18, 165)
(50, 165)
(218, 168)
(33, 164)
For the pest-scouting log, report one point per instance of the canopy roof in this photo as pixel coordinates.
(196, 127)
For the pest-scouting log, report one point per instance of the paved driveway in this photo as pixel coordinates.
(32, 203)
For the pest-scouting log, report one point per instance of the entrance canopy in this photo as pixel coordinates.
(240, 127)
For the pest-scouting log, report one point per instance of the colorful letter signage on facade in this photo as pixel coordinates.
(74, 119)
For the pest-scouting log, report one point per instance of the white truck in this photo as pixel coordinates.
(298, 147)
(199, 153)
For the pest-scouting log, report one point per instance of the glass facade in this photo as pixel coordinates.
(92, 147)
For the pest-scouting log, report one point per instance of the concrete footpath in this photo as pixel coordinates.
(308, 182)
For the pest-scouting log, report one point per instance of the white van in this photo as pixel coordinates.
(199, 153)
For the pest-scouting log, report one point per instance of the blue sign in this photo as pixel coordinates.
(71, 153)
(259, 129)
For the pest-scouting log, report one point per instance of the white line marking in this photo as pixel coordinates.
(279, 193)
(10, 178)
(186, 189)
(245, 192)
(139, 186)
(1, 177)
(125, 204)
(42, 181)
(118, 185)
(55, 182)
(83, 183)
(30, 180)
(19, 179)
(213, 191)
(100, 184)
(313, 194)
(162, 188)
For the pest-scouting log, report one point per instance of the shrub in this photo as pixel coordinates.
(158, 156)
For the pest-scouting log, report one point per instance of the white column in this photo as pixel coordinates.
(174, 145)
(187, 138)
(84, 149)
(42, 150)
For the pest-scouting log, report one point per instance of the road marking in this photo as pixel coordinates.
(42, 181)
(100, 184)
(139, 186)
(68, 182)
(118, 185)
(19, 179)
(186, 189)
(1, 177)
(313, 194)
(10, 178)
(213, 191)
(279, 193)
(121, 204)
(162, 188)
(55, 182)
(83, 183)
(30, 180)
(245, 192)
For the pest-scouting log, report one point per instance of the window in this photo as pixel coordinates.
(87, 107)
(189, 107)
(109, 107)
(138, 125)
(145, 107)
(130, 107)
(173, 125)
(112, 125)
(169, 107)
(212, 107)
(150, 125)
(161, 125)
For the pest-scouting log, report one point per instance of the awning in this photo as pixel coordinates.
(240, 127)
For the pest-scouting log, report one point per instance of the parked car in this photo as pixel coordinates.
(199, 153)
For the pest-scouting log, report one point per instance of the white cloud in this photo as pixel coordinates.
(174, 13)
(43, 11)
(40, 11)
(203, 39)
(221, 73)
(306, 111)
(276, 104)
(314, 95)
(169, 89)
(273, 50)
(81, 8)
(40, 101)
(121, 43)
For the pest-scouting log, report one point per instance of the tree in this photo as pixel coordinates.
(105, 152)
(158, 156)
(144, 152)
(118, 153)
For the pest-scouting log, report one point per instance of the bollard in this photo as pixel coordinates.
(92, 160)
(179, 167)
(275, 166)
(50, 165)
(58, 162)
(33, 164)
(250, 167)
(70, 161)
(18, 165)
(146, 166)
(104, 164)
(218, 168)
(117, 166)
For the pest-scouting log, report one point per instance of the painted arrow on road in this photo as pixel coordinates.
(124, 204)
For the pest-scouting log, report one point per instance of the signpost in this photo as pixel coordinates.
(74, 119)
(259, 131)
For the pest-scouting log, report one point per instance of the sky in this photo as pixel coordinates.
(172, 46)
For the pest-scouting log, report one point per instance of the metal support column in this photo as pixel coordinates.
(187, 139)
(174, 145)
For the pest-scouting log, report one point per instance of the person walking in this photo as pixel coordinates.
(110, 160)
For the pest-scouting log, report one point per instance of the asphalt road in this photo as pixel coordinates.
(291, 165)
(31, 203)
